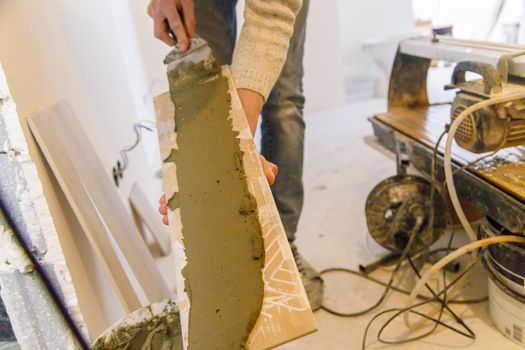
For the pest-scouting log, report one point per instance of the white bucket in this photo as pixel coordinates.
(504, 263)
(507, 311)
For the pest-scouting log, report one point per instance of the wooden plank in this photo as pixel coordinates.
(79, 255)
(286, 313)
(150, 217)
(100, 211)
(506, 170)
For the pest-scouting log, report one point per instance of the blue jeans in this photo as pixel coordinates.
(282, 127)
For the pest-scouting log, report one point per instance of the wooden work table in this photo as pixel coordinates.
(496, 184)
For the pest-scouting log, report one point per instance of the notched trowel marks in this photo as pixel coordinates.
(220, 224)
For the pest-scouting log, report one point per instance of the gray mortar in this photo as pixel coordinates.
(222, 234)
(161, 332)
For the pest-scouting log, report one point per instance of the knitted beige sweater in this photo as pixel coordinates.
(263, 43)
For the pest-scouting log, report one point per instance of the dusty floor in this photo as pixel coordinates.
(342, 166)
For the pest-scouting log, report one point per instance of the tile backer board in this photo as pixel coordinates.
(286, 313)
(96, 204)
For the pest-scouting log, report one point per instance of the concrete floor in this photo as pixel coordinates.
(343, 164)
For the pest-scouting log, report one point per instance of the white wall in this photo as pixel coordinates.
(381, 22)
(522, 23)
(152, 50)
(87, 53)
(372, 19)
(323, 61)
(323, 57)
(323, 81)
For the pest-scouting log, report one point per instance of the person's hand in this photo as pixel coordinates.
(163, 209)
(270, 170)
(252, 104)
(173, 16)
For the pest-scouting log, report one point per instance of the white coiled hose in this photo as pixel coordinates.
(449, 176)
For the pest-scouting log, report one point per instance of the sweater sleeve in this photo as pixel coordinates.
(263, 43)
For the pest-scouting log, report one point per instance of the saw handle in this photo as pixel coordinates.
(491, 76)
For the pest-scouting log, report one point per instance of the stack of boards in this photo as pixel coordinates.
(97, 206)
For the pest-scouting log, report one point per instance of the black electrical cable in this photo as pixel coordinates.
(469, 334)
(411, 240)
(443, 303)
(463, 167)
(42, 273)
(444, 103)
(427, 255)
(433, 173)
(437, 322)
(436, 296)
(477, 160)
(416, 271)
(397, 289)
(389, 286)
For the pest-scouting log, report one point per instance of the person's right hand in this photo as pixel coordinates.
(176, 16)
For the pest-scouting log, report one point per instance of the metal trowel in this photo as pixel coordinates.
(180, 63)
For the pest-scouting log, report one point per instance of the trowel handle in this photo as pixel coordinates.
(170, 32)
(174, 37)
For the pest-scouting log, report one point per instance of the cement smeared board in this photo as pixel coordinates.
(285, 313)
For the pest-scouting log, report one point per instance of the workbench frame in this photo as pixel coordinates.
(408, 93)
(501, 206)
